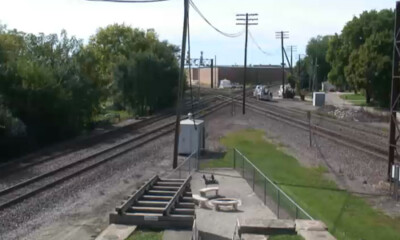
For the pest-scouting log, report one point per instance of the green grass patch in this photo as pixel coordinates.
(112, 116)
(146, 234)
(286, 237)
(347, 216)
(355, 99)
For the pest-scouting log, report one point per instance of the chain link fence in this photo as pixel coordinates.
(277, 200)
(187, 167)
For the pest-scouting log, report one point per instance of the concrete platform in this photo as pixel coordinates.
(310, 225)
(267, 226)
(221, 224)
(316, 235)
(177, 235)
(116, 232)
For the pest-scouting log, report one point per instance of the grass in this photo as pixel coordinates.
(112, 116)
(355, 99)
(146, 234)
(347, 216)
(286, 237)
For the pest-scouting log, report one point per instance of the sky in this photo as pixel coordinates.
(302, 19)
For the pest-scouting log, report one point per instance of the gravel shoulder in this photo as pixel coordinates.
(78, 209)
(353, 170)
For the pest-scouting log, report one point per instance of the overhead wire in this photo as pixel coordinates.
(231, 35)
(129, 1)
(257, 45)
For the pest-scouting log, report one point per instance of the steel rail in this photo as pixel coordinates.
(368, 148)
(6, 171)
(167, 127)
(302, 113)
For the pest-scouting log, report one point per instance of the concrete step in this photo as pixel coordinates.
(147, 209)
(171, 180)
(151, 203)
(165, 187)
(156, 198)
(161, 192)
(181, 215)
(177, 184)
(267, 226)
(183, 211)
(145, 214)
(187, 199)
(185, 205)
(247, 236)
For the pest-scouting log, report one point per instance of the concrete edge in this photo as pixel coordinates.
(116, 232)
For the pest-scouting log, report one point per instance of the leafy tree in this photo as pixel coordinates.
(316, 50)
(148, 80)
(360, 56)
(44, 86)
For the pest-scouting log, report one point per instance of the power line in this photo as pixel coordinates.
(231, 35)
(129, 1)
(257, 45)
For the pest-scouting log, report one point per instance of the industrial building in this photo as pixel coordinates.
(256, 74)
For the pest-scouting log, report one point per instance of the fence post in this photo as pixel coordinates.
(234, 158)
(190, 164)
(242, 166)
(254, 177)
(309, 126)
(179, 173)
(297, 210)
(265, 191)
(278, 203)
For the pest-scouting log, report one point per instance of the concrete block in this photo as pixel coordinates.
(267, 226)
(316, 235)
(318, 99)
(171, 234)
(310, 225)
(116, 232)
(253, 237)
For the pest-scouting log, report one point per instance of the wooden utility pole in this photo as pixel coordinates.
(393, 137)
(180, 83)
(282, 35)
(212, 73)
(246, 23)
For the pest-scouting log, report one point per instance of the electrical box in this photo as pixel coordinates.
(191, 136)
(318, 99)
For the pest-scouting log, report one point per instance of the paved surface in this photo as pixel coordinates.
(221, 225)
(177, 235)
(116, 232)
(333, 98)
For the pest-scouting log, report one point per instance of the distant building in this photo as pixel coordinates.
(256, 74)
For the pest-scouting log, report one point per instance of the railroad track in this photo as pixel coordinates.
(379, 151)
(317, 117)
(28, 188)
(14, 167)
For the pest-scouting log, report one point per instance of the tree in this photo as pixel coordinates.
(148, 80)
(110, 46)
(316, 50)
(41, 83)
(360, 56)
